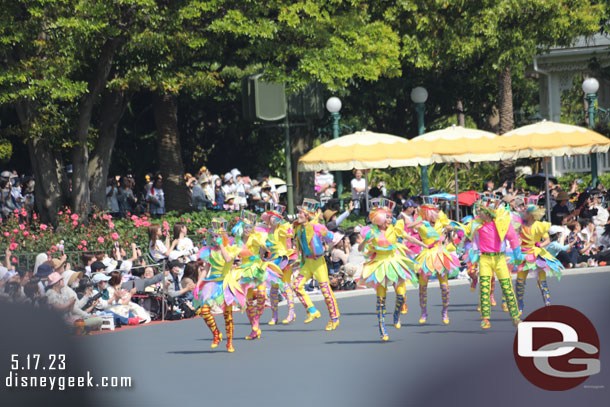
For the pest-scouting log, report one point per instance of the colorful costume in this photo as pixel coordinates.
(256, 274)
(279, 244)
(489, 246)
(435, 258)
(309, 236)
(537, 259)
(388, 261)
(221, 287)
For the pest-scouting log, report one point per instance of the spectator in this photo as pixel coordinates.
(158, 249)
(156, 198)
(241, 199)
(272, 186)
(324, 186)
(65, 300)
(87, 258)
(559, 249)
(126, 198)
(172, 283)
(409, 208)
(120, 303)
(577, 252)
(562, 207)
(358, 185)
(331, 219)
(193, 274)
(600, 219)
(112, 190)
(355, 257)
(183, 245)
(339, 251)
(219, 195)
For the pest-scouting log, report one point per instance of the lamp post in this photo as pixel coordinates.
(333, 105)
(590, 87)
(419, 95)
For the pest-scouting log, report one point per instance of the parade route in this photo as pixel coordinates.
(303, 365)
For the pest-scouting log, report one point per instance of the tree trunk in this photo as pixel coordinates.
(80, 151)
(460, 114)
(113, 106)
(301, 143)
(505, 107)
(165, 108)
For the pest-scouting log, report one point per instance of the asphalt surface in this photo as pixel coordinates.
(303, 365)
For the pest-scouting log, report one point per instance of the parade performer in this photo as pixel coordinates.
(256, 274)
(534, 237)
(412, 221)
(435, 258)
(310, 235)
(281, 253)
(221, 286)
(388, 260)
(489, 233)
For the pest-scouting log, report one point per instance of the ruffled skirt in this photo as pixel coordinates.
(220, 290)
(439, 260)
(540, 259)
(255, 272)
(389, 268)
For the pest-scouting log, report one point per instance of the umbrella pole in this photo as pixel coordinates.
(457, 201)
(366, 193)
(546, 187)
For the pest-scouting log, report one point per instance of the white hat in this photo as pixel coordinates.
(99, 277)
(235, 172)
(555, 229)
(228, 176)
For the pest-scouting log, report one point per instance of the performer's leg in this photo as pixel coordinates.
(320, 272)
(381, 293)
(423, 298)
(304, 275)
(444, 284)
(507, 290)
(485, 276)
(275, 300)
(520, 288)
(544, 288)
(492, 300)
(251, 312)
(401, 297)
(473, 273)
(287, 277)
(261, 298)
(229, 326)
(211, 323)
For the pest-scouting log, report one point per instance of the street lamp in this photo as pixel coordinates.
(419, 95)
(590, 87)
(333, 105)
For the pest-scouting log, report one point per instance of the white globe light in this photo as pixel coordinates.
(590, 85)
(419, 95)
(333, 104)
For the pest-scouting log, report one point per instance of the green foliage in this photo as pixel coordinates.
(6, 150)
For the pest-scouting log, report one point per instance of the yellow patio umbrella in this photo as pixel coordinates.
(550, 139)
(361, 150)
(457, 144)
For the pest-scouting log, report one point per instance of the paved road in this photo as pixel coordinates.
(421, 365)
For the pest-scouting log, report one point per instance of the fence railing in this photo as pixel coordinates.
(581, 163)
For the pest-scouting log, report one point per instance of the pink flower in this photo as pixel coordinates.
(53, 249)
(165, 225)
(68, 211)
(15, 231)
(74, 216)
(134, 218)
(84, 249)
(60, 213)
(79, 247)
(23, 212)
(144, 218)
(83, 242)
(114, 236)
(188, 221)
(13, 246)
(94, 216)
(35, 216)
(110, 225)
(22, 227)
(6, 234)
(43, 227)
(25, 233)
(75, 223)
(42, 235)
(100, 239)
(146, 224)
(14, 260)
(16, 211)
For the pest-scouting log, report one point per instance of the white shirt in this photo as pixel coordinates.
(157, 251)
(358, 184)
(187, 248)
(156, 197)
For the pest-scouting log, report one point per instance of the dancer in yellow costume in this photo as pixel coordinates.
(221, 286)
(388, 260)
(256, 274)
(281, 253)
(489, 233)
(534, 237)
(435, 258)
(310, 235)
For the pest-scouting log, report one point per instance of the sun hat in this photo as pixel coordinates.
(328, 214)
(53, 279)
(99, 277)
(44, 270)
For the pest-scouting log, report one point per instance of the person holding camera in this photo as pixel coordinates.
(112, 190)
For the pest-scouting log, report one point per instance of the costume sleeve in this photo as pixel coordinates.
(541, 230)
